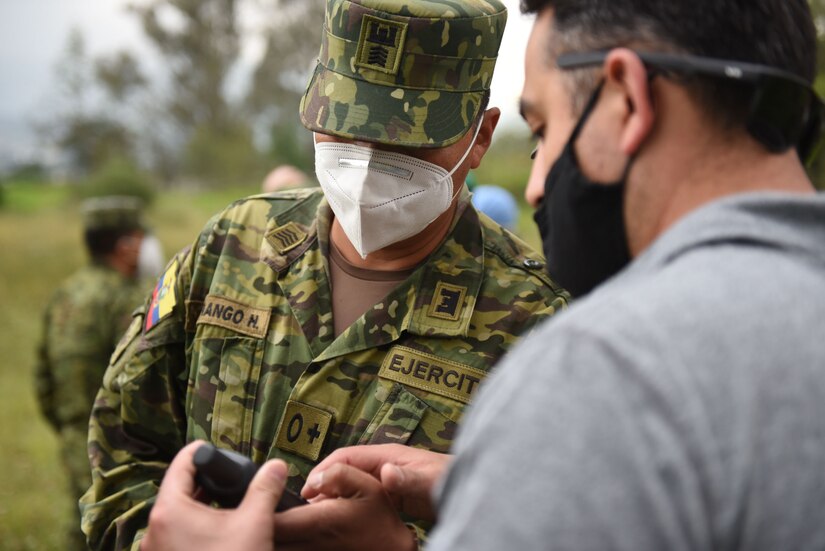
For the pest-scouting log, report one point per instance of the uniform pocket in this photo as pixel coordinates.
(396, 419)
(237, 390)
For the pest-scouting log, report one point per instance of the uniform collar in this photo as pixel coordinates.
(447, 285)
(437, 300)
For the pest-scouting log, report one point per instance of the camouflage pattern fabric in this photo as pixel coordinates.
(246, 358)
(403, 73)
(82, 324)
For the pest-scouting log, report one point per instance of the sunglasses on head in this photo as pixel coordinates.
(784, 111)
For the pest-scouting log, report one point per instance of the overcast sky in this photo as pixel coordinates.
(33, 34)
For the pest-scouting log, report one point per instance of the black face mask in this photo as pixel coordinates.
(581, 222)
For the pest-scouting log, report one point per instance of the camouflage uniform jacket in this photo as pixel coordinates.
(83, 322)
(246, 356)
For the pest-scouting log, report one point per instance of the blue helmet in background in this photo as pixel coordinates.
(497, 203)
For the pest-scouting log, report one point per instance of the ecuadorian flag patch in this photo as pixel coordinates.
(163, 297)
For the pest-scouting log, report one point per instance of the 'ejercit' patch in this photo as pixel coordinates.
(381, 44)
(430, 373)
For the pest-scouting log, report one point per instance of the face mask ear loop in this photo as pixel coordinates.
(469, 149)
(464, 158)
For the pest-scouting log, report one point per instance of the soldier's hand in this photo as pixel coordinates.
(358, 515)
(407, 474)
(179, 522)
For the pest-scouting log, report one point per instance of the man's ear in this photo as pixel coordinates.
(485, 136)
(624, 69)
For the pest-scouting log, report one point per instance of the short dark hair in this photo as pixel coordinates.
(777, 33)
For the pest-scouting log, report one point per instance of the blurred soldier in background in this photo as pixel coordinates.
(83, 322)
(368, 311)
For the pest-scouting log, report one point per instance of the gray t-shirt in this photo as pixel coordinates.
(681, 406)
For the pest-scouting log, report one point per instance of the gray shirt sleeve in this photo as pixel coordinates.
(570, 447)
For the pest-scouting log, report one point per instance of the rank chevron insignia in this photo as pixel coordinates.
(287, 237)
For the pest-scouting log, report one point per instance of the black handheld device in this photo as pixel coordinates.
(224, 476)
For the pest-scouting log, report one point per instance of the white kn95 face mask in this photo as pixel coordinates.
(380, 198)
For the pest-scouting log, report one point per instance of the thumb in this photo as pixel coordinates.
(180, 476)
(266, 488)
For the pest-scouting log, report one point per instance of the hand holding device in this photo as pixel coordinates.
(225, 475)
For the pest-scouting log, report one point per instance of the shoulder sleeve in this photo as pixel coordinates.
(571, 447)
(138, 423)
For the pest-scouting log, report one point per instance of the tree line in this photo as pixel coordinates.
(190, 118)
(200, 112)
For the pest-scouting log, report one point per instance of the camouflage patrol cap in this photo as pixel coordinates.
(117, 212)
(411, 73)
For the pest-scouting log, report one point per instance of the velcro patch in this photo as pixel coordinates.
(303, 430)
(287, 237)
(431, 373)
(380, 44)
(238, 317)
(448, 300)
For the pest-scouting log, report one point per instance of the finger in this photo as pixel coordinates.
(406, 483)
(266, 488)
(300, 525)
(365, 458)
(345, 481)
(180, 476)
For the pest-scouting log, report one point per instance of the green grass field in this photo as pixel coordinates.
(40, 240)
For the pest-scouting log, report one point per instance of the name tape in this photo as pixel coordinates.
(229, 314)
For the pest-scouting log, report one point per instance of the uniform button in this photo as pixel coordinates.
(532, 264)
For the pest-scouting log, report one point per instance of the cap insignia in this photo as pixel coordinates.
(381, 44)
